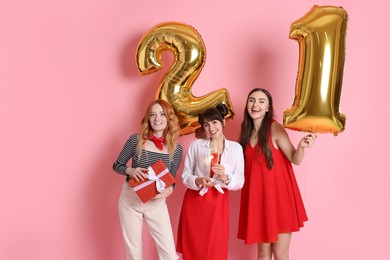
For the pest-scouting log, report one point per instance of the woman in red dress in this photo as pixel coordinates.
(271, 205)
(212, 167)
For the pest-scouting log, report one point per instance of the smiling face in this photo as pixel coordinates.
(213, 128)
(157, 120)
(258, 105)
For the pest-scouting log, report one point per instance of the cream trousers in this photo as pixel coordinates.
(132, 212)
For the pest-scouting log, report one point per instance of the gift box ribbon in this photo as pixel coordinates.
(152, 176)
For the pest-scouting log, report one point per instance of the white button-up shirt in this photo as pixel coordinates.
(197, 164)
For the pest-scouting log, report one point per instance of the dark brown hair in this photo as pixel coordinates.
(265, 128)
(214, 113)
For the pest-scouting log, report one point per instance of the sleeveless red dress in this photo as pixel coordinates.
(270, 199)
(203, 230)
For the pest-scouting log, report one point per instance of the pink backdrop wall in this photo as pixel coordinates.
(70, 96)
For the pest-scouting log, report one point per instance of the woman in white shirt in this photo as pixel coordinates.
(212, 167)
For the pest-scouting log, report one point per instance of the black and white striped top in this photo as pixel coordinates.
(147, 158)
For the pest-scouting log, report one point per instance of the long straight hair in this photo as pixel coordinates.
(171, 132)
(247, 127)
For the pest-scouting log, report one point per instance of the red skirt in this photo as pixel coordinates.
(203, 231)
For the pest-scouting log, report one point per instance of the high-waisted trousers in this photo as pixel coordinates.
(132, 213)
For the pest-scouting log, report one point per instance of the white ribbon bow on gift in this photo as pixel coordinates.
(152, 176)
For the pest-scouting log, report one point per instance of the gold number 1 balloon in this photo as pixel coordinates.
(190, 55)
(321, 36)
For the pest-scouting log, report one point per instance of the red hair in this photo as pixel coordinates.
(171, 132)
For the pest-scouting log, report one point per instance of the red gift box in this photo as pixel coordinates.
(159, 178)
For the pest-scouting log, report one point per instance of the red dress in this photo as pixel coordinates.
(270, 199)
(203, 230)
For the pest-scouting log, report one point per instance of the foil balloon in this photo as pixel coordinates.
(321, 36)
(176, 87)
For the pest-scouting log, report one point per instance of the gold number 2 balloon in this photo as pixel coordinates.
(321, 36)
(190, 55)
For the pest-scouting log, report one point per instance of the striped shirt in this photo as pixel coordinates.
(147, 158)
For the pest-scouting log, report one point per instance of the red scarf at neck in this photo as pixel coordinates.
(158, 141)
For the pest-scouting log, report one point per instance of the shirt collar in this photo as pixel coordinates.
(206, 143)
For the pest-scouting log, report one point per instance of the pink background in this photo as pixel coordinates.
(70, 95)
